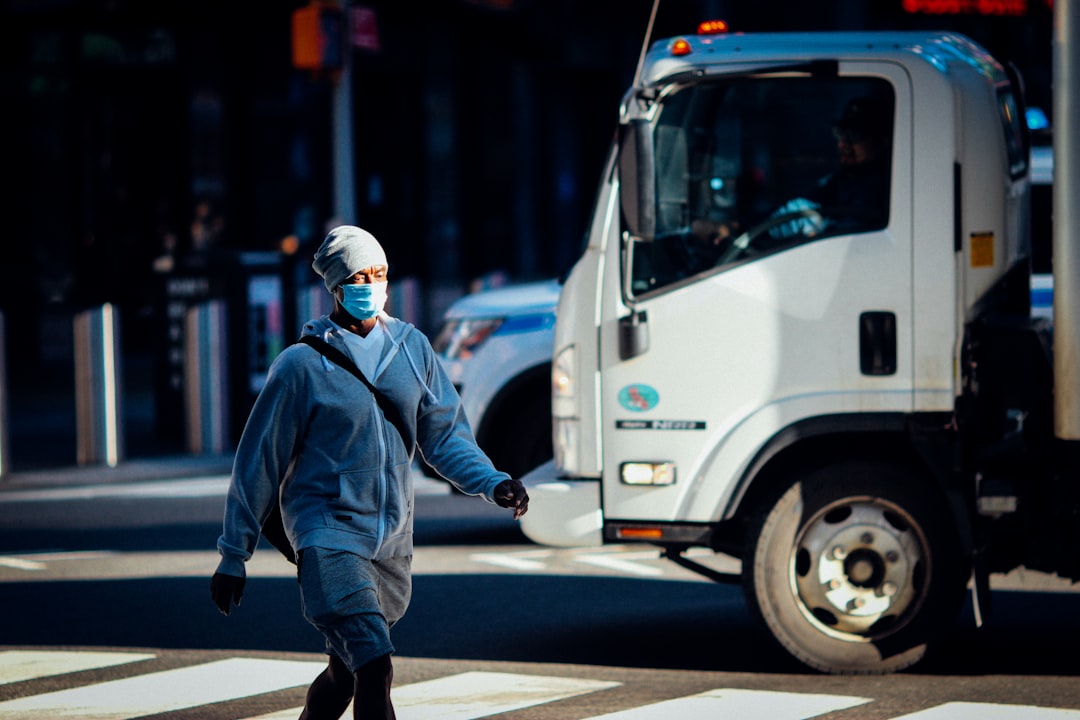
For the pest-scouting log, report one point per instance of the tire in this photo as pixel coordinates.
(855, 568)
(523, 440)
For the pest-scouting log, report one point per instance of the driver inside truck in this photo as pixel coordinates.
(855, 196)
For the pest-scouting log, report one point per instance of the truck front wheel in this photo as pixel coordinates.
(854, 568)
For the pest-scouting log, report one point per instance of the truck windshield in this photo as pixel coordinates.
(755, 165)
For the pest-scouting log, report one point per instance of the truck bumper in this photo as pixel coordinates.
(562, 513)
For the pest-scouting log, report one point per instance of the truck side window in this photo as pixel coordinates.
(1015, 140)
(755, 165)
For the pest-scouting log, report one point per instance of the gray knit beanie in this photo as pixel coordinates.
(346, 250)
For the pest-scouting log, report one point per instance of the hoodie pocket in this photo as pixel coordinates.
(360, 500)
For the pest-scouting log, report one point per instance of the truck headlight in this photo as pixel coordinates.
(563, 386)
(564, 409)
(459, 338)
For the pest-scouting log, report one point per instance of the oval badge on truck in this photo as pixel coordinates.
(638, 397)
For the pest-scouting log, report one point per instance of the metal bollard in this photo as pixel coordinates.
(97, 387)
(206, 396)
(5, 436)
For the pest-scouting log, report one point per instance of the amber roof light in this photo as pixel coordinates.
(712, 27)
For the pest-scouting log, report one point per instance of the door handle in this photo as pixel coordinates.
(633, 335)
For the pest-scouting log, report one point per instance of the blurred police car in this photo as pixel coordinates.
(496, 345)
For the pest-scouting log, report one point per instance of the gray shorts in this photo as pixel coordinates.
(353, 601)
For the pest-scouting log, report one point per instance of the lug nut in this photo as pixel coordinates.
(839, 553)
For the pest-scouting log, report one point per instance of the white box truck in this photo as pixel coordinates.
(800, 334)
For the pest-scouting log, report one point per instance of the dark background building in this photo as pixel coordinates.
(162, 153)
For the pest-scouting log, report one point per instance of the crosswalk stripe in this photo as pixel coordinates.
(478, 694)
(180, 488)
(472, 695)
(19, 665)
(463, 696)
(991, 711)
(33, 562)
(730, 703)
(515, 561)
(195, 487)
(21, 564)
(625, 562)
(165, 691)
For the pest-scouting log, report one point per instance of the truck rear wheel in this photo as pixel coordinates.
(854, 568)
(521, 440)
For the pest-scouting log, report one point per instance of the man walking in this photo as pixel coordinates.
(336, 455)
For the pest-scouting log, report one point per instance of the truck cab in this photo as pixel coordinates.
(765, 344)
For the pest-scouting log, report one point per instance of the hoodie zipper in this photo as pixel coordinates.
(397, 344)
(384, 481)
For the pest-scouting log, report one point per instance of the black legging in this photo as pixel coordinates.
(368, 688)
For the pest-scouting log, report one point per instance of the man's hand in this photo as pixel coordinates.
(226, 590)
(511, 494)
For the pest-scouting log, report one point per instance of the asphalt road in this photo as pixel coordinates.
(126, 567)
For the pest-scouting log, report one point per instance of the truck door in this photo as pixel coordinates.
(775, 288)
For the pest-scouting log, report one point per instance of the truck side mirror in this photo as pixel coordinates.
(637, 184)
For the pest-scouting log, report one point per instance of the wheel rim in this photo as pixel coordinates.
(859, 567)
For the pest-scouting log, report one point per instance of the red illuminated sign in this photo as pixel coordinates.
(967, 7)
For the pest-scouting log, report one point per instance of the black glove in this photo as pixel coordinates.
(511, 494)
(225, 590)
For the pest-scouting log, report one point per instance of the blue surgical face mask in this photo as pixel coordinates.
(363, 301)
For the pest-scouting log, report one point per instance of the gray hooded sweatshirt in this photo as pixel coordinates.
(317, 439)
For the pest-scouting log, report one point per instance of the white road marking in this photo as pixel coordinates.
(165, 691)
(465, 696)
(479, 694)
(21, 564)
(40, 561)
(727, 703)
(473, 695)
(178, 488)
(624, 562)
(196, 487)
(612, 558)
(515, 561)
(991, 711)
(19, 665)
